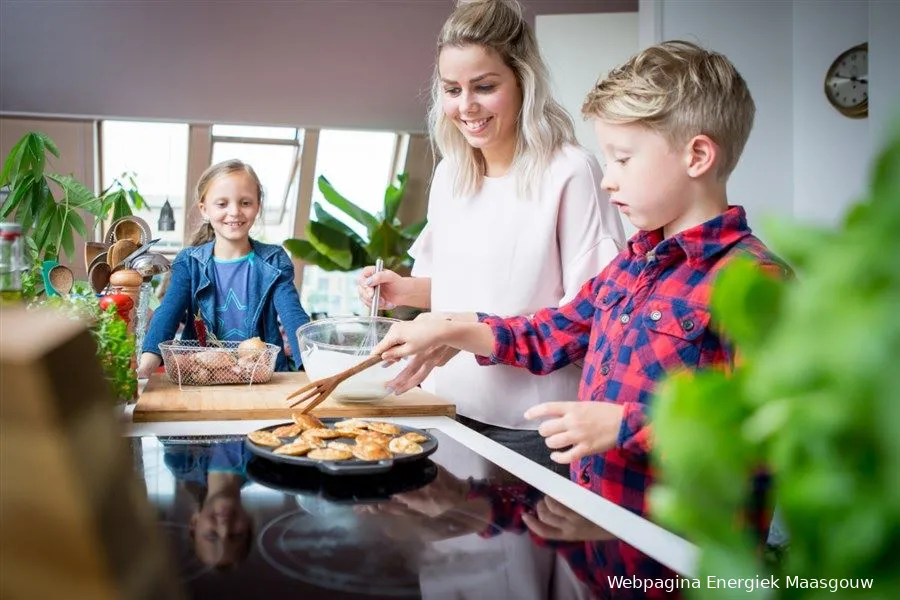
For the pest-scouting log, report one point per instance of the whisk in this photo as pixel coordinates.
(372, 335)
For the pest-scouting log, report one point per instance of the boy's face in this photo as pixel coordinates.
(646, 178)
(480, 95)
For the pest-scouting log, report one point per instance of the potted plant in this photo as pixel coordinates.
(814, 399)
(49, 225)
(50, 222)
(333, 246)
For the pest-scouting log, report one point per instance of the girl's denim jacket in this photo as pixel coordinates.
(192, 290)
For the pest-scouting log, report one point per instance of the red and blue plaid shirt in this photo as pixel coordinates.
(644, 316)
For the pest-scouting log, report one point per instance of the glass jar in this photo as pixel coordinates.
(11, 263)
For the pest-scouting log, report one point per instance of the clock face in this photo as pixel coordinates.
(847, 83)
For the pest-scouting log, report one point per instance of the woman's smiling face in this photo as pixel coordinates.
(480, 95)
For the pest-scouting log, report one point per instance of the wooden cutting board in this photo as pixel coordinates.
(161, 400)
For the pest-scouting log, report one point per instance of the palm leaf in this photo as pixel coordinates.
(393, 195)
(330, 242)
(349, 208)
(303, 250)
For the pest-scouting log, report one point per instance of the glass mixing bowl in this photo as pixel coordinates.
(329, 346)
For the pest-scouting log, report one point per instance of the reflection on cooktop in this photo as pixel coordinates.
(451, 526)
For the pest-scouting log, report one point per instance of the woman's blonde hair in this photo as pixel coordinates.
(543, 125)
(679, 90)
(205, 233)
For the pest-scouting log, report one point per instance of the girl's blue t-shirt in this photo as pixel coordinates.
(234, 279)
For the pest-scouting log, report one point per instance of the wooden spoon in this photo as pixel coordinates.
(61, 279)
(93, 250)
(99, 277)
(118, 251)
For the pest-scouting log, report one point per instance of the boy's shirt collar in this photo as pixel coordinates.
(699, 243)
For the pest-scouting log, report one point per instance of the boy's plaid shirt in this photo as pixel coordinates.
(645, 315)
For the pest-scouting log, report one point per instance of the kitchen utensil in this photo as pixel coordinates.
(61, 279)
(151, 264)
(142, 227)
(93, 250)
(189, 363)
(317, 489)
(329, 346)
(98, 277)
(46, 266)
(352, 466)
(372, 336)
(118, 251)
(317, 391)
(126, 262)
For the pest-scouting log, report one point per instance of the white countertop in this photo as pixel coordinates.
(651, 539)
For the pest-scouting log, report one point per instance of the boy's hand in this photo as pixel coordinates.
(589, 427)
(553, 521)
(420, 366)
(411, 337)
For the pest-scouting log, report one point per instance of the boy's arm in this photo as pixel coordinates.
(549, 340)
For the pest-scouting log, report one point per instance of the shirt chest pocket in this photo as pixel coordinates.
(675, 331)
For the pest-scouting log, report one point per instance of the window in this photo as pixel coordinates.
(157, 154)
(274, 153)
(359, 164)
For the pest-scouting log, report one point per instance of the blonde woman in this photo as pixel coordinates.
(516, 217)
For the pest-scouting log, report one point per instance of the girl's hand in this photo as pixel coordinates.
(149, 363)
(411, 337)
(588, 427)
(420, 366)
(391, 288)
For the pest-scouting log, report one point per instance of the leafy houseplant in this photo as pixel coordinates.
(815, 399)
(333, 246)
(49, 225)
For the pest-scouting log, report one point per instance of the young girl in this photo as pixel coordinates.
(238, 286)
(516, 216)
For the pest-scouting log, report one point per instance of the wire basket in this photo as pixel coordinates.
(189, 363)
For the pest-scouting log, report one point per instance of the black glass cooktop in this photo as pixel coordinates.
(453, 526)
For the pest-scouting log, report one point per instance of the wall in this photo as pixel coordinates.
(884, 52)
(578, 50)
(756, 36)
(803, 158)
(831, 152)
(317, 63)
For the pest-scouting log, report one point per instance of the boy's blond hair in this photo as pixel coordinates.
(679, 90)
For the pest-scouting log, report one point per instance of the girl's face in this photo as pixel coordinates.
(480, 95)
(231, 204)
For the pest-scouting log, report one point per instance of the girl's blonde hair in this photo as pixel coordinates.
(543, 124)
(205, 233)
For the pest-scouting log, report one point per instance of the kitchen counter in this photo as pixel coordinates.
(470, 455)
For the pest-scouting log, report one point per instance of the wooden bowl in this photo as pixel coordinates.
(128, 230)
(91, 251)
(118, 251)
(98, 276)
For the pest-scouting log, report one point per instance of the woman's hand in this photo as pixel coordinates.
(554, 521)
(588, 427)
(392, 288)
(149, 363)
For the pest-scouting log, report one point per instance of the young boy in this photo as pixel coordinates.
(672, 123)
